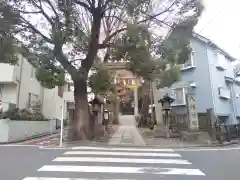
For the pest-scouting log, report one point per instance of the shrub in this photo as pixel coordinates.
(24, 114)
(13, 114)
(1, 114)
(37, 116)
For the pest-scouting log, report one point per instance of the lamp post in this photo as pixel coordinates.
(166, 106)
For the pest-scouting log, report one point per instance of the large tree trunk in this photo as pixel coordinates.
(80, 126)
(145, 104)
(116, 112)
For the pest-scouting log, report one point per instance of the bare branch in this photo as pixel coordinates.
(80, 3)
(150, 17)
(42, 11)
(35, 30)
(53, 9)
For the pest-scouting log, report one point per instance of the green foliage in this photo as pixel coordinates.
(24, 114)
(8, 44)
(1, 114)
(67, 23)
(50, 78)
(168, 77)
(100, 80)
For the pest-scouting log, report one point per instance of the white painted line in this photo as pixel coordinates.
(126, 170)
(18, 145)
(109, 153)
(207, 149)
(54, 178)
(121, 160)
(53, 148)
(120, 149)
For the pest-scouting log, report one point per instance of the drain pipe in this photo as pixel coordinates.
(20, 82)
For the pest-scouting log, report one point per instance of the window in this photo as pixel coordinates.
(190, 62)
(224, 93)
(221, 61)
(179, 96)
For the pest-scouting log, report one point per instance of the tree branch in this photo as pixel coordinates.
(35, 30)
(58, 52)
(42, 11)
(50, 4)
(80, 3)
(150, 17)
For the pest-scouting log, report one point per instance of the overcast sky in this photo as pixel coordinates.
(220, 23)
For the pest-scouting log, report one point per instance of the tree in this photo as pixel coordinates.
(153, 59)
(100, 80)
(66, 37)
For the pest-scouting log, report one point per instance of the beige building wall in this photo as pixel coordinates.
(23, 82)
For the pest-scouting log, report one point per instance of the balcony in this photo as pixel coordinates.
(9, 73)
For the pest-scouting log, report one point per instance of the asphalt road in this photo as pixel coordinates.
(31, 163)
(19, 162)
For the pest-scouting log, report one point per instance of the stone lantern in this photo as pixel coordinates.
(166, 102)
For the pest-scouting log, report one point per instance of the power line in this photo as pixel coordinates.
(211, 20)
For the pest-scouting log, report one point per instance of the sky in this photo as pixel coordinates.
(220, 23)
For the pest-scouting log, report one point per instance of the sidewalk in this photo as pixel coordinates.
(127, 133)
(150, 140)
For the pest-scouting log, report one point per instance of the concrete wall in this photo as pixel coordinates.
(28, 84)
(52, 104)
(208, 79)
(199, 74)
(19, 130)
(223, 107)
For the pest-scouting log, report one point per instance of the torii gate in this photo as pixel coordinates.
(125, 79)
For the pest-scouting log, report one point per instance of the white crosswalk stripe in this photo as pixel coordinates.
(87, 163)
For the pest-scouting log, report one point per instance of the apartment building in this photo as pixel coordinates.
(19, 88)
(209, 76)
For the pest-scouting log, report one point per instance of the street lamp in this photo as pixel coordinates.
(166, 102)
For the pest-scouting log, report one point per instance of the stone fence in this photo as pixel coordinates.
(17, 130)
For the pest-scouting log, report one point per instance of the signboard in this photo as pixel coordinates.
(131, 86)
(192, 110)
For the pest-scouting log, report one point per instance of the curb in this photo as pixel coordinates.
(30, 138)
(196, 145)
(90, 143)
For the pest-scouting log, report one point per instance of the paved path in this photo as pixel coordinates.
(89, 162)
(127, 133)
(49, 140)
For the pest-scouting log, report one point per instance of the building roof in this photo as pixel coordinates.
(213, 45)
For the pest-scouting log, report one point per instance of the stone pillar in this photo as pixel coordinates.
(135, 90)
(157, 94)
(192, 112)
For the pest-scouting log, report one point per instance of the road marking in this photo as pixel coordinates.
(109, 153)
(40, 139)
(121, 160)
(134, 170)
(54, 178)
(207, 149)
(120, 149)
(18, 145)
